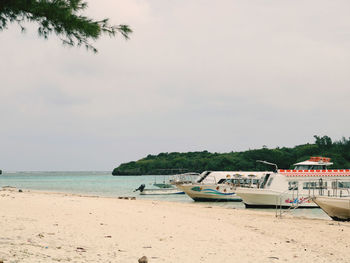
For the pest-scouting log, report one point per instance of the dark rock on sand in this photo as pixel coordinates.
(143, 260)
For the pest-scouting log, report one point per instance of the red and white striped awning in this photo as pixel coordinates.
(316, 173)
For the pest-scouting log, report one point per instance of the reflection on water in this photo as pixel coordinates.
(104, 184)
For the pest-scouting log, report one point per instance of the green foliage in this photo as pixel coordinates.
(61, 17)
(170, 163)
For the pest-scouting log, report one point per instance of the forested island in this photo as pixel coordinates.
(175, 162)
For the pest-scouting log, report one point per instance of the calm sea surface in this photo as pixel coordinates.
(104, 184)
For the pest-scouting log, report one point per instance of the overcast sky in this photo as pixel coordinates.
(221, 76)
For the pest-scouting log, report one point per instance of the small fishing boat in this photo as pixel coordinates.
(158, 191)
(338, 208)
(161, 191)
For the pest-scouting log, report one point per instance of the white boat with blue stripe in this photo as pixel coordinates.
(219, 186)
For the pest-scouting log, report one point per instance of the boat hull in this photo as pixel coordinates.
(210, 193)
(336, 207)
(263, 198)
(162, 191)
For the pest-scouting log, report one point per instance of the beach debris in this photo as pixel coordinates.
(108, 236)
(127, 197)
(143, 259)
(81, 249)
(273, 257)
(20, 191)
(147, 247)
(40, 235)
(120, 250)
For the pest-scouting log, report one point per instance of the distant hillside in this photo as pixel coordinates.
(175, 162)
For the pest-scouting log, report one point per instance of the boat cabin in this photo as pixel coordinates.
(314, 163)
(236, 178)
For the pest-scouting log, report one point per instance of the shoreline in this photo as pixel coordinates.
(38, 226)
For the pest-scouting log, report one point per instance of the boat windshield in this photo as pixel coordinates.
(265, 181)
(242, 182)
(310, 167)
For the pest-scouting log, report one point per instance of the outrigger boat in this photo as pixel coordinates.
(294, 188)
(216, 186)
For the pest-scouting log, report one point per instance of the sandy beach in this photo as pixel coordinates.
(57, 227)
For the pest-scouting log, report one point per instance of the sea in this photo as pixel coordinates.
(101, 183)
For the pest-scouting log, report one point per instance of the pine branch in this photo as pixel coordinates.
(60, 17)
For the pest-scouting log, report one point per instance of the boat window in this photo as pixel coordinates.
(203, 177)
(293, 185)
(310, 167)
(270, 181)
(315, 185)
(267, 176)
(221, 181)
(301, 167)
(344, 184)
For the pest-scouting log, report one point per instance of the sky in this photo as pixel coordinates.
(228, 75)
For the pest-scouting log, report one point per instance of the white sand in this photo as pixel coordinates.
(50, 227)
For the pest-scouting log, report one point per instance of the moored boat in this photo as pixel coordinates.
(220, 186)
(161, 191)
(338, 208)
(158, 191)
(294, 188)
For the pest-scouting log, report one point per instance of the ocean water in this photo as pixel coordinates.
(104, 184)
(89, 183)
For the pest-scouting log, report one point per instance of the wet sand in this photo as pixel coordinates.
(57, 227)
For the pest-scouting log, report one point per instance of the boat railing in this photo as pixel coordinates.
(336, 189)
(186, 178)
(318, 188)
(279, 199)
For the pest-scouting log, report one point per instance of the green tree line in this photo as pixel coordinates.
(175, 162)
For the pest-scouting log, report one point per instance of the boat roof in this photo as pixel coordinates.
(313, 163)
(316, 161)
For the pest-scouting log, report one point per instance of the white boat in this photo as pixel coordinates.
(158, 191)
(293, 188)
(161, 191)
(338, 208)
(216, 186)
